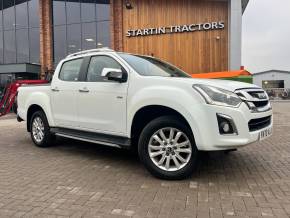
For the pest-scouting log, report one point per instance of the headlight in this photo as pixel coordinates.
(218, 96)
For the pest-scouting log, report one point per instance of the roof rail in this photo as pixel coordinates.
(105, 49)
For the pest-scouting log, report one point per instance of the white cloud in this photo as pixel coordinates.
(266, 35)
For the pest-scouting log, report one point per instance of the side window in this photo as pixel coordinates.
(97, 66)
(70, 70)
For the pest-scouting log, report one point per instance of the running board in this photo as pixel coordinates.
(97, 138)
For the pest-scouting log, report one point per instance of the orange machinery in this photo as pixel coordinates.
(220, 75)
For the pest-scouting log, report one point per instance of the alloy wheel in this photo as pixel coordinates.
(170, 149)
(38, 129)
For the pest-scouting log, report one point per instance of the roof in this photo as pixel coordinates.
(19, 68)
(226, 74)
(271, 71)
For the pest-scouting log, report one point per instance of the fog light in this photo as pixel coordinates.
(226, 125)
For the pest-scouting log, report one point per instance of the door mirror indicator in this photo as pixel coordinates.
(118, 75)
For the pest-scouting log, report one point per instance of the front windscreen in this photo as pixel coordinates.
(149, 66)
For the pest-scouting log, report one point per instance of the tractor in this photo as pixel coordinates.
(8, 100)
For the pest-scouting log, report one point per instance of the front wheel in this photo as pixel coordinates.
(167, 148)
(39, 130)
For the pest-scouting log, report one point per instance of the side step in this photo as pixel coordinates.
(97, 138)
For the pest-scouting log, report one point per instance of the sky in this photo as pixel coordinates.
(266, 35)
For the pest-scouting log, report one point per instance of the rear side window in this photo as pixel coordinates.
(70, 70)
(97, 66)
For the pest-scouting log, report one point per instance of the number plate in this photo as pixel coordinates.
(265, 133)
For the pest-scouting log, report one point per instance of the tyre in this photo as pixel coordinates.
(167, 148)
(39, 130)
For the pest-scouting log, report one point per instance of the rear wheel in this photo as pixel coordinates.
(167, 148)
(39, 130)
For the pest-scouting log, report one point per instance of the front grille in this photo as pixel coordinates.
(260, 123)
(261, 95)
(260, 103)
(256, 99)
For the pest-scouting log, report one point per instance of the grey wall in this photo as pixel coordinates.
(236, 8)
(272, 75)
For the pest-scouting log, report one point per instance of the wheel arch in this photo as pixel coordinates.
(31, 110)
(39, 99)
(146, 114)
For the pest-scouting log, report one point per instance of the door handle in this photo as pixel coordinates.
(83, 90)
(55, 89)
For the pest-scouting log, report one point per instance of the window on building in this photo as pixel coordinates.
(21, 14)
(22, 44)
(33, 7)
(20, 22)
(88, 11)
(1, 13)
(8, 15)
(88, 35)
(58, 8)
(1, 47)
(80, 25)
(59, 43)
(73, 38)
(103, 10)
(9, 47)
(1, 33)
(34, 45)
(73, 11)
(103, 33)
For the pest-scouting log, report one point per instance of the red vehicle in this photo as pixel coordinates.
(8, 100)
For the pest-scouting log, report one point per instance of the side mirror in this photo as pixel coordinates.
(117, 75)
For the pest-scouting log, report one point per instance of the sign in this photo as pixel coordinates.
(176, 29)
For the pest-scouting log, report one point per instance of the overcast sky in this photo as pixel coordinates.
(266, 35)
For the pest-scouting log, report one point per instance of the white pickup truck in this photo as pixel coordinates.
(133, 101)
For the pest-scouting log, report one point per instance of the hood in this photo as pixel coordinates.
(223, 84)
(226, 84)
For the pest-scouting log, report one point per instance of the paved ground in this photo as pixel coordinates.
(76, 179)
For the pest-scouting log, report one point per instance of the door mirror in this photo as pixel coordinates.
(117, 75)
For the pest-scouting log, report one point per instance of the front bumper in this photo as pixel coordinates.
(209, 137)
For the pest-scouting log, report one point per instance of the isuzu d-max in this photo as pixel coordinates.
(133, 101)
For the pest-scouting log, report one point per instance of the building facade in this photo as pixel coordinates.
(198, 36)
(275, 82)
(272, 79)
